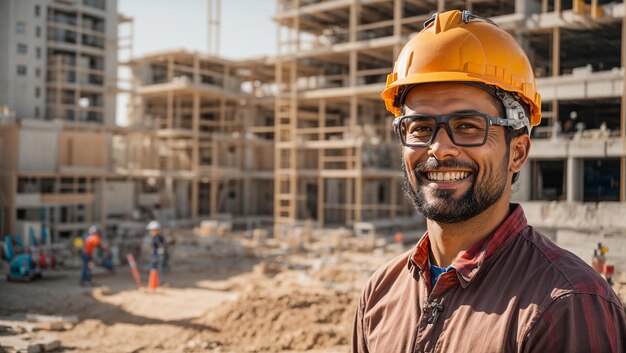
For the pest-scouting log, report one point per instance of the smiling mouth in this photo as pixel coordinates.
(446, 176)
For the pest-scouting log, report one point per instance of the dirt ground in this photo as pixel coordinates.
(222, 294)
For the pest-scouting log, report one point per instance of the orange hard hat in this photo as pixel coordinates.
(457, 46)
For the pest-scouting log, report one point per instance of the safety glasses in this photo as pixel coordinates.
(466, 129)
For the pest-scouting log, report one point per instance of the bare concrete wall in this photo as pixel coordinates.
(583, 243)
(37, 150)
(579, 227)
(119, 197)
(601, 216)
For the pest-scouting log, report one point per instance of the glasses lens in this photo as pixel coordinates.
(417, 130)
(468, 130)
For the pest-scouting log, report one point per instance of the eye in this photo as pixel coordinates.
(418, 124)
(419, 128)
(468, 124)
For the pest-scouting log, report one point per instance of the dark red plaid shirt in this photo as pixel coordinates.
(515, 291)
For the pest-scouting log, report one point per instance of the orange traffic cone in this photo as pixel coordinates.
(153, 281)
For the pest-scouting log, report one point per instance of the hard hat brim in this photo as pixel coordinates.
(442, 77)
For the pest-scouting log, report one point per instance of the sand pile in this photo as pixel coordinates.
(298, 320)
(345, 274)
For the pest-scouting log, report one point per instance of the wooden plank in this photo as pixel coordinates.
(18, 326)
(21, 343)
(52, 322)
(46, 343)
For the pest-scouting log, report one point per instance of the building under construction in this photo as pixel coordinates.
(209, 150)
(332, 131)
(303, 135)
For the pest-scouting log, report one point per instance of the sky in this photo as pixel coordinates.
(246, 26)
(246, 30)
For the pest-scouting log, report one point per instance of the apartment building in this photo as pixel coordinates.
(58, 78)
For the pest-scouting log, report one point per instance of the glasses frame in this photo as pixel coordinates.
(443, 120)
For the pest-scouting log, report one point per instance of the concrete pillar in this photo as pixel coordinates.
(527, 7)
(214, 190)
(194, 198)
(354, 20)
(556, 51)
(574, 179)
(195, 148)
(249, 203)
(181, 198)
(320, 201)
(622, 185)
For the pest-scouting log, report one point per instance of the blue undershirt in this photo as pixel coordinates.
(435, 272)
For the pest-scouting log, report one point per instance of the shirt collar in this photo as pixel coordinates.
(471, 262)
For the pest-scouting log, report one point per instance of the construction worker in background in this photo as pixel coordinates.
(90, 243)
(480, 279)
(159, 254)
(77, 243)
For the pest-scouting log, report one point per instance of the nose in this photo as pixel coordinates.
(442, 146)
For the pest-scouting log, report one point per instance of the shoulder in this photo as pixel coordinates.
(572, 304)
(384, 278)
(575, 297)
(578, 322)
(569, 273)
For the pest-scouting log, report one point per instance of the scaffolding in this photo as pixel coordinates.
(336, 160)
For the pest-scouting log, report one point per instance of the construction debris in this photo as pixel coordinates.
(20, 323)
(27, 343)
(23, 335)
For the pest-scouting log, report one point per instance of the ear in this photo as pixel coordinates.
(518, 153)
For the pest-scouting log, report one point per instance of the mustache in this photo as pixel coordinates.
(432, 163)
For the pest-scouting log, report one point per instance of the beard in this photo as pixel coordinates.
(445, 208)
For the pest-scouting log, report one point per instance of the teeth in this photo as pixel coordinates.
(446, 176)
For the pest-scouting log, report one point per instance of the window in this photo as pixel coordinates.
(21, 70)
(37, 10)
(38, 51)
(22, 48)
(37, 72)
(37, 92)
(36, 112)
(38, 31)
(601, 180)
(99, 4)
(20, 28)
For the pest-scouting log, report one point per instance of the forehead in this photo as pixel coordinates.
(444, 98)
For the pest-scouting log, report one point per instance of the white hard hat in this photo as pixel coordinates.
(153, 225)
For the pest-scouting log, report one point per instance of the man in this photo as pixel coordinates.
(480, 279)
(91, 242)
(159, 255)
